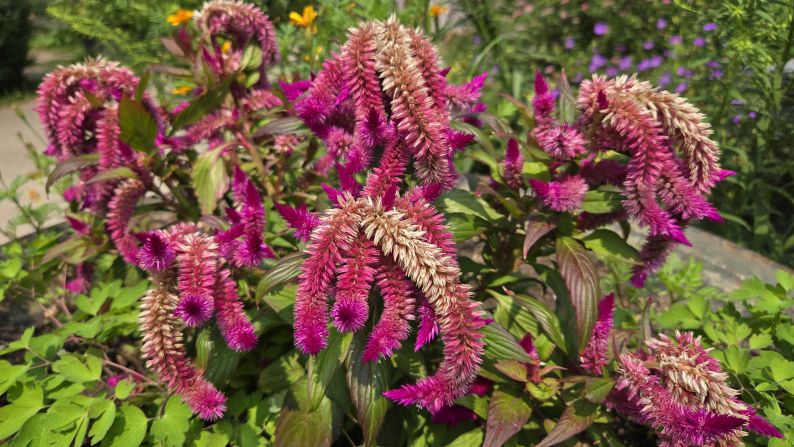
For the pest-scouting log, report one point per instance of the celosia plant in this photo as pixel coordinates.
(680, 390)
(397, 241)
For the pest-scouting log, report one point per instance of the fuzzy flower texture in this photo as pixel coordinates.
(672, 162)
(374, 235)
(677, 388)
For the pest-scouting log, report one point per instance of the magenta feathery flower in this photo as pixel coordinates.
(463, 98)
(533, 367)
(300, 219)
(653, 254)
(165, 354)
(594, 357)
(362, 83)
(680, 390)
(564, 195)
(198, 263)
(239, 23)
(543, 102)
(233, 323)
(335, 235)
(562, 142)
(120, 211)
(351, 308)
(428, 323)
(156, 253)
(398, 311)
(514, 165)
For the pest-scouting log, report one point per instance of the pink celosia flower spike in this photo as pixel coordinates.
(564, 195)
(232, 321)
(351, 308)
(361, 80)
(562, 142)
(120, 211)
(198, 264)
(680, 390)
(156, 253)
(594, 357)
(398, 310)
(543, 102)
(300, 219)
(514, 165)
(337, 231)
(428, 323)
(165, 353)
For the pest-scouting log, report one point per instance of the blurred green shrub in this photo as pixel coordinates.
(14, 39)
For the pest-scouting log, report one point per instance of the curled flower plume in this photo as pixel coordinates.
(594, 357)
(386, 88)
(680, 390)
(239, 23)
(165, 354)
(663, 190)
(410, 257)
(120, 211)
(191, 284)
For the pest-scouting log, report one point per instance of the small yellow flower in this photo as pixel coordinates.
(184, 90)
(305, 20)
(437, 10)
(226, 47)
(319, 49)
(179, 17)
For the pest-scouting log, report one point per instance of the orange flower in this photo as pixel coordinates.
(179, 17)
(226, 47)
(305, 20)
(184, 90)
(437, 10)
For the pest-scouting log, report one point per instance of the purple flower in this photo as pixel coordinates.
(737, 119)
(752, 115)
(681, 88)
(476, 40)
(665, 79)
(644, 65)
(611, 72)
(600, 29)
(684, 72)
(699, 42)
(597, 62)
(711, 26)
(569, 42)
(625, 63)
(713, 64)
(676, 40)
(716, 74)
(655, 61)
(648, 45)
(661, 24)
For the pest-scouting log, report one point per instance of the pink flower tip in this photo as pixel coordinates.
(156, 254)
(195, 310)
(512, 154)
(349, 315)
(206, 401)
(541, 86)
(242, 337)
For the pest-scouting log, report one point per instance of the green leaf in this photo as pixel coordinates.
(464, 227)
(602, 201)
(22, 343)
(128, 429)
(545, 317)
(366, 382)
(27, 404)
(501, 345)
(284, 271)
(283, 302)
(201, 106)
(760, 341)
(737, 359)
(597, 388)
(464, 202)
(535, 230)
(507, 413)
(785, 279)
(9, 374)
(69, 166)
(609, 245)
(299, 427)
(581, 279)
(209, 180)
(103, 422)
(326, 364)
(138, 126)
(280, 126)
(112, 174)
(171, 428)
(575, 419)
(513, 369)
(77, 369)
(123, 388)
